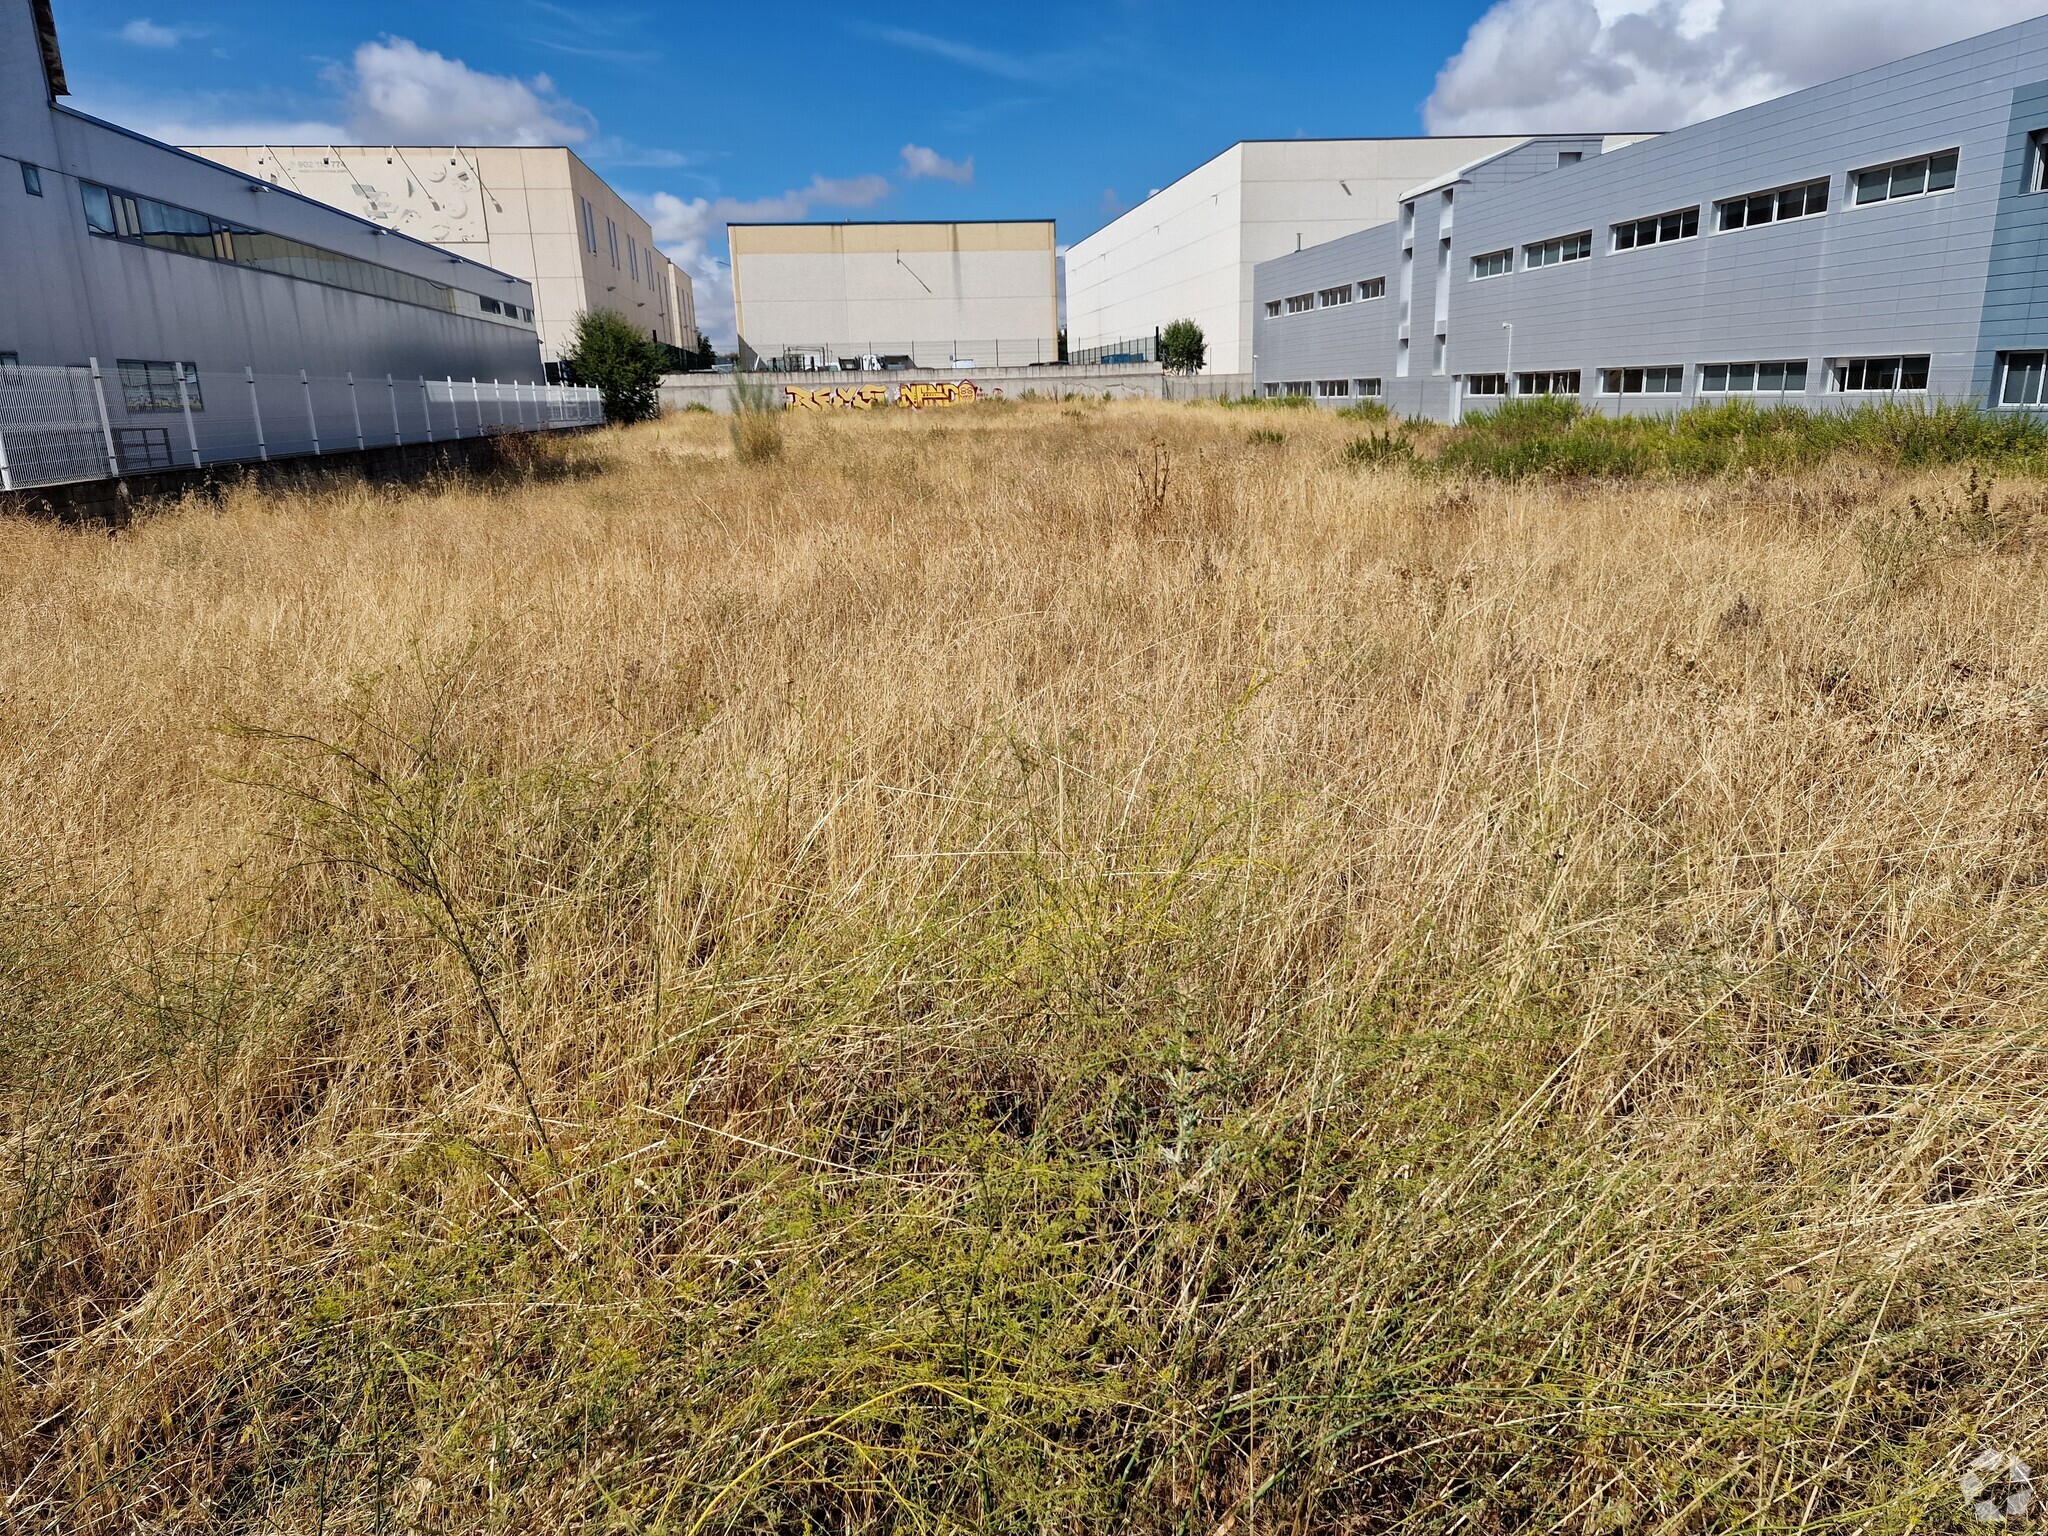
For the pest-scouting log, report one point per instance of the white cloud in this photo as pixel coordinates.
(401, 93)
(690, 230)
(1619, 65)
(144, 33)
(921, 164)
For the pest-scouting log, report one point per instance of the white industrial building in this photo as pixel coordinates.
(1187, 252)
(876, 295)
(541, 214)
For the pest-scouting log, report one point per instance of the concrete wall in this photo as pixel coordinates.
(517, 209)
(1189, 250)
(1954, 276)
(940, 293)
(1118, 381)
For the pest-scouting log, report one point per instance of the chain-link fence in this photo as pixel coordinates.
(59, 425)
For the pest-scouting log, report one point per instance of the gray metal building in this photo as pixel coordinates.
(1875, 238)
(117, 247)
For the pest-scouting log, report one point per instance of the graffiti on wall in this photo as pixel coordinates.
(869, 397)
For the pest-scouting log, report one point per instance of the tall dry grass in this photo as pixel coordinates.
(1049, 969)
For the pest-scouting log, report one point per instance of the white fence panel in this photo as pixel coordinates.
(63, 425)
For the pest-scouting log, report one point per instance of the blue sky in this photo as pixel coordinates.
(1070, 109)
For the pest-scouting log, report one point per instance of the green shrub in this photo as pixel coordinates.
(611, 356)
(1379, 450)
(1366, 410)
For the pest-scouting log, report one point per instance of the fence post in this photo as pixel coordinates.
(454, 416)
(357, 409)
(185, 404)
(312, 421)
(99, 391)
(397, 432)
(6, 474)
(256, 410)
(476, 398)
(427, 407)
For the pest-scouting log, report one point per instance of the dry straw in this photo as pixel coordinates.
(1048, 970)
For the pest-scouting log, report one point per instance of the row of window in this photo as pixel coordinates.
(1328, 298)
(124, 216)
(1327, 389)
(1911, 178)
(2022, 381)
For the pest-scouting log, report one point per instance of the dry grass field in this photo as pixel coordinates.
(1047, 969)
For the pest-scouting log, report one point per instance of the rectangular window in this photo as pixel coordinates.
(1273, 308)
(1881, 375)
(1909, 178)
(1642, 381)
(1553, 253)
(633, 257)
(491, 306)
(1567, 157)
(1333, 389)
(1301, 304)
(2037, 160)
(1330, 298)
(1369, 389)
(1493, 264)
(589, 226)
(1753, 378)
(1297, 389)
(1661, 230)
(10, 367)
(1487, 385)
(1372, 288)
(31, 180)
(115, 215)
(150, 386)
(1564, 383)
(1800, 202)
(2026, 373)
(612, 230)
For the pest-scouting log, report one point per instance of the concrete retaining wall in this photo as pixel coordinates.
(1120, 381)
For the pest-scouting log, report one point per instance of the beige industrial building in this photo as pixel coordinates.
(540, 214)
(1187, 252)
(810, 296)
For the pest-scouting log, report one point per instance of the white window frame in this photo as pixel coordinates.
(1523, 382)
(1776, 194)
(1839, 367)
(1533, 251)
(1636, 243)
(1505, 267)
(1642, 391)
(1369, 389)
(1474, 381)
(1372, 288)
(1333, 298)
(1856, 199)
(1300, 303)
(1707, 371)
(2037, 363)
(1333, 389)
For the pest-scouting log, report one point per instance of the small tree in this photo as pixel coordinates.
(1183, 348)
(612, 357)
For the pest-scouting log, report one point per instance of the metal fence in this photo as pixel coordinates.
(872, 356)
(59, 425)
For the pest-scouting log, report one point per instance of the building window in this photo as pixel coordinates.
(491, 306)
(2037, 161)
(1881, 375)
(1297, 389)
(1330, 298)
(149, 386)
(589, 226)
(10, 367)
(1642, 381)
(2026, 374)
(1753, 378)
(611, 229)
(123, 216)
(1493, 264)
(1333, 389)
(1368, 389)
(1909, 178)
(1552, 253)
(1565, 383)
(1273, 309)
(1487, 385)
(1567, 157)
(1301, 304)
(633, 257)
(31, 180)
(1801, 202)
(1662, 230)
(1372, 288)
